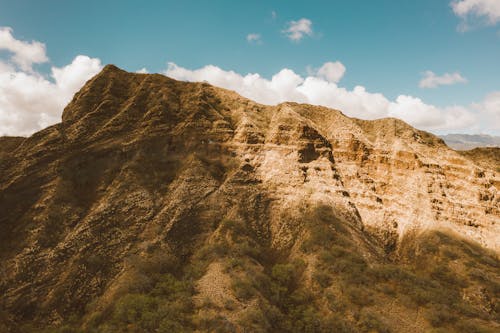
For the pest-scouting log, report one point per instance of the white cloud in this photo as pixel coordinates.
(274, 15)
(143, 70)
(296, 30)
(24, 54)
(5, 67)
(30, 102)
(431, 80)
(286, 85)
(489, 110)
(487, 9)
(429, 117)
(330, 71)
(71, 77)
(254, 38)
(281, 87)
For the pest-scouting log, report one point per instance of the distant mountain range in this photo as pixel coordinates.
(467, 141)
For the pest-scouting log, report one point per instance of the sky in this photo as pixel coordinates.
(433, 63)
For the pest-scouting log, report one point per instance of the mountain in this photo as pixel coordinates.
(166, 206)
(467, 141)
(487, 157)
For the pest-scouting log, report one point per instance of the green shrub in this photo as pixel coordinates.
(360, 296)
(306, 319)
(95, 263)
(449, 254)
(323, 278)
(284, 274)
(170, 288)
(335, 323)
(214, 323)
(439, 316)
(157, 262)
(243, 289)
(236, 228)
(249, 249)
(443, 275)
(254, 320)
(472, 327)
(62, 329)
(368, 322)
(137, 310)
(325, 230)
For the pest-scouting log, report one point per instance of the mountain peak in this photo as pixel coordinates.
(107, 85)
(111, 68)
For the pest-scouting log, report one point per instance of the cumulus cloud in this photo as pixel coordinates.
(296, 30)
(28, 100)
(330, 71)
(23, 54)
(281, 87)
(143, 70)
(431, 80)
(254, 38)
(429, 117)
(486, 11)
(322, 89)
(489, 110)
(71, 77)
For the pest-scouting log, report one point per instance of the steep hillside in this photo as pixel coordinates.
(487, 157)
(8, 144)
(166, 206)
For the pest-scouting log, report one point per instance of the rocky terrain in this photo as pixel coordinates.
(166, 206)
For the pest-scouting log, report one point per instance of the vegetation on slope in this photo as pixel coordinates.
(328, 283)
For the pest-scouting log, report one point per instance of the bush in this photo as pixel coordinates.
(323, 279)
(440, 316)
(242, 289)
(157, 262)
(254, 320)
(443, 275)
(369, 322)
(472, 327)
(214, 323)
(284, 274)
(360, 296)
(63, 329)
(137, 310)
(236, 228)
(325, 230)
(170, 288)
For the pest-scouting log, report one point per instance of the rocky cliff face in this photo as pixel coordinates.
(148, 180)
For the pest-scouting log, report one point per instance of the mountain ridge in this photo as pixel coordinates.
(153, 187)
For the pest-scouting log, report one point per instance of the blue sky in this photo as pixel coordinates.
(385, 45)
